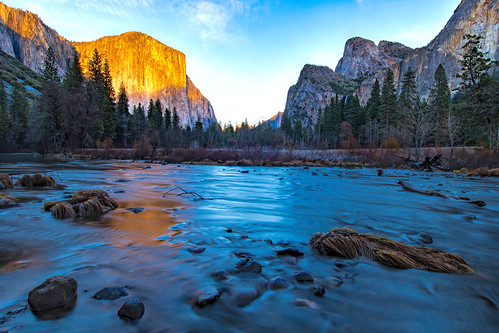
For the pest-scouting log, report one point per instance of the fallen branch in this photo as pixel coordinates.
(406, 186)
(184, 192)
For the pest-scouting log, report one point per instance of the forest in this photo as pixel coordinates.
(76, 111)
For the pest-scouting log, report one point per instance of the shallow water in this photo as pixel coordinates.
(148, 252)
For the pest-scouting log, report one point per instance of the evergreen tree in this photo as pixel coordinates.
(73, 78)
(480, 94)
(158, 116)
(373, 110)
(108, 81)
(440, 105)
(18, 115)
(387, 117)
(49, 72)
(4, 118)
(95, 67)
(139, 123)
(175, 120)
(108, 120)
(407, 104)
(123, 117)
(168, 119)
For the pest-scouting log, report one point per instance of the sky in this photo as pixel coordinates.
(245, 54)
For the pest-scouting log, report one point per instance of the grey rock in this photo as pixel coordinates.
(279, 283)
(207, 298)
(304, 277)
(425, 238)
(111, 293)
(319, 290)
(248, 266)
(53, 293)
(221, 275)
(196, 249)
(132, 309)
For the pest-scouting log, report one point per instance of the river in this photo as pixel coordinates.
(258, 211)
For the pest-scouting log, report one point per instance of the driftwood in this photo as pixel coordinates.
(428, 164)
(6, 182)
(408, 187)
(348, 243)
(184, 192)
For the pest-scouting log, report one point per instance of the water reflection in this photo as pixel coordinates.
(251, 212)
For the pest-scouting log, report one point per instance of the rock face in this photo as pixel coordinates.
(150, 69)
(365, 61)
(275, 121)
(25, 37)
(313, 91)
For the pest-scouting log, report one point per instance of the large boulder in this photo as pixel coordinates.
(53, 293)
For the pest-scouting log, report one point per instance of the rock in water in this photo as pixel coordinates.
(425, 238)
(111, 293)
(132, 309)
(304, 277)
(196, 249)
(136, 210)
(248, 265)
(207, 298)
(53, 293)
(290, 252)
(319, 290)
(279, 283)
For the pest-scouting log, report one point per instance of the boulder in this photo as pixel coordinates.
(53, 293)
(279, 283)
(248, 266)
(132, 309)
(207, 298)
(304, 277)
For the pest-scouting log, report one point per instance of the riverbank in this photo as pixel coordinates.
(465, 157)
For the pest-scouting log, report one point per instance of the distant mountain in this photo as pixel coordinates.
(275, 121)
(363, 61)
(148, 68)
(151, 69)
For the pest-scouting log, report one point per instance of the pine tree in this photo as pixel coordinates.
(123, 115)
(440, 105)
(19, 115)
(108, 81)
(175, 120)
(95, 67)
(108, 120)
(373, 109)
(387, 116)
(73, 78)
(139, 123)
(4, 119)
(50, 73)
(168, 119)
(407, 104)
(158, 116)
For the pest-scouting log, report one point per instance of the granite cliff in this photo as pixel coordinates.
(24, 36)
(363, 61)
(150, 69)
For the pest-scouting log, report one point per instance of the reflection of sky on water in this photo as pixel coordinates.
(148, 251)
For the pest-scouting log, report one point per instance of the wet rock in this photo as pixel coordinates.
(147, 167)
(279, 283)
(304, 277)
(269, 241)
(53, 293)
(136, 210)
(470, 218)
(425, 238)
(132, 309)
(314, 173)
(229, 230)
(304, 303)
(244, 237)
(334, 282)
(196, 249)
(221, 275)
(245, 297)
(244, 255)
(380, 172)
(283, 242)
(289, 252)
(122, 180)
(478, 203)
(248, 266)
(111, 293)
(319, 290)
(345, 263)
(6, 201)
(119, 191)
(244, 171)
(207, 298)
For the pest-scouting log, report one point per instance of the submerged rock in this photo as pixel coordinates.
(111, 293)
(132, 309)
(221, 275)
(136, 210)
(244, 255)
(248, 265)
(279, 283)
(245, 297)
(196, 249)
(53, 293)
(304, 277)
(207, 298)
(319, 290)
(290, 252)
(425, 238)
(122, 180)
(304, 303)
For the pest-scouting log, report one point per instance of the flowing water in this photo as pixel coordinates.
(148, 252)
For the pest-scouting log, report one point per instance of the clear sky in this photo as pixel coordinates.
(245, 54)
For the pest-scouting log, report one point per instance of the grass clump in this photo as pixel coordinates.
(348, 243)
(6, 182)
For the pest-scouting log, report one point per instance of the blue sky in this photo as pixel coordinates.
(245, 54)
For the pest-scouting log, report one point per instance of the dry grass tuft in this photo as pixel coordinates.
(37, 180)
(349, 244)
(62, 210)
(6, 182)
(89, 208)
(47, 206)
(7, 197)
(101, 196)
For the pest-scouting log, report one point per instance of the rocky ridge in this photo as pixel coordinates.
(363, 61)
(24, 36)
